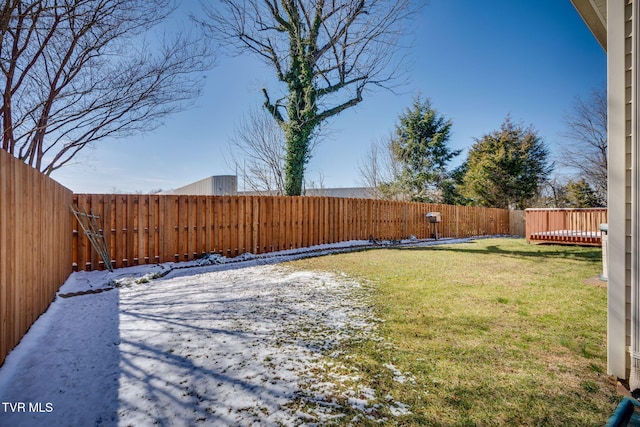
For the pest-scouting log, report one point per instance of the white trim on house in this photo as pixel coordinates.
(616, 26)
(594, 14)
(617, 194)
(634, 377)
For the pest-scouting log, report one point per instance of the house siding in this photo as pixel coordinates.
(620, 94)
(622, 41)
(629, 125)
(218, 185)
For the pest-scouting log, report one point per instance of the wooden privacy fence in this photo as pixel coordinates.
(569, 226)
(143, 229)
(517, 223)
(35, 246)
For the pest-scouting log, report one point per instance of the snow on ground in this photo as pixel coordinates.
(218, 343)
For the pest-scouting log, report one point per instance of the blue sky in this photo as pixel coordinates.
(476, 60)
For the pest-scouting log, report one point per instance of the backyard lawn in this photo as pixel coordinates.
(492, 332)
(485, 333)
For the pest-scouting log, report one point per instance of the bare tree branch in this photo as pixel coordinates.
(380, 171)
(257, 150)
(75, 72)
(325, 54)
(586, 129)
(257, 153)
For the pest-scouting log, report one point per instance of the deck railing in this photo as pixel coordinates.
(569, 226)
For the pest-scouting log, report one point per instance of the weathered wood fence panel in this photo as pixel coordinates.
(517, 223)
(142, 229)
(35, 246)
(569, 226)
(40, 240)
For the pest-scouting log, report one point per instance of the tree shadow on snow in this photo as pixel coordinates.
(67, 367)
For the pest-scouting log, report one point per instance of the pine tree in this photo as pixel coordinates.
(506, 168)
(581, 195)
(420, 146)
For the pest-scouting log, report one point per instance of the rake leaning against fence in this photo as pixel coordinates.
(143, 229)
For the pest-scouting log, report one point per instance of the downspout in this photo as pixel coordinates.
(634, 378)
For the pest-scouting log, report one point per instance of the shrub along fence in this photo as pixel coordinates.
(143, 229)
(35, 246)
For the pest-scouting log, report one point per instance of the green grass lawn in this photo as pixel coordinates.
(493, 332)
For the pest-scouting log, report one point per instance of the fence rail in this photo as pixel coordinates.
(143, 229)
(35, 246)
(41, 242)
(568, 226)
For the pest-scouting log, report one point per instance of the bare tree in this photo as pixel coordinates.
(552, 193)
(325, 54)
(257, 152)
(314, 185)
(76, 71)
(370, 169)
(586, 128)
(379, 171)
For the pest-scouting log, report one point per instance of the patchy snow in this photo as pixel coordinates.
(222, 342)
(398, 376)
(398, 409)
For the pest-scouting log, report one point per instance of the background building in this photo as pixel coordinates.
(217, 185)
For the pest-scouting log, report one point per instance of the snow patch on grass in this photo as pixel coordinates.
(234, 346)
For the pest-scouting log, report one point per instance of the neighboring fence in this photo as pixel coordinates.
(142, 229)
(569, 226)
(517, 223)
(35, 246)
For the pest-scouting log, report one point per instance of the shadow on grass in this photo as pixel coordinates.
(540, 252)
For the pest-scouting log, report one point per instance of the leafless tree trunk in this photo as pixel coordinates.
(587, 130)
(379, 170)
(325, 54)
(370, 168)
(73, 72)
(257, 153)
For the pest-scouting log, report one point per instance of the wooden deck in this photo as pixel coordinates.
(566, 226)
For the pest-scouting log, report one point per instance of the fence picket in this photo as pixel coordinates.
(36, 246)
(141, 229)
(160, 228)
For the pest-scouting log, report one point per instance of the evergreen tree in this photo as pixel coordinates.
(451, 187)
(506, 167)
(579, 194)
(420, 147)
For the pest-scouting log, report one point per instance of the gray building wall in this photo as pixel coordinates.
(218, 185)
